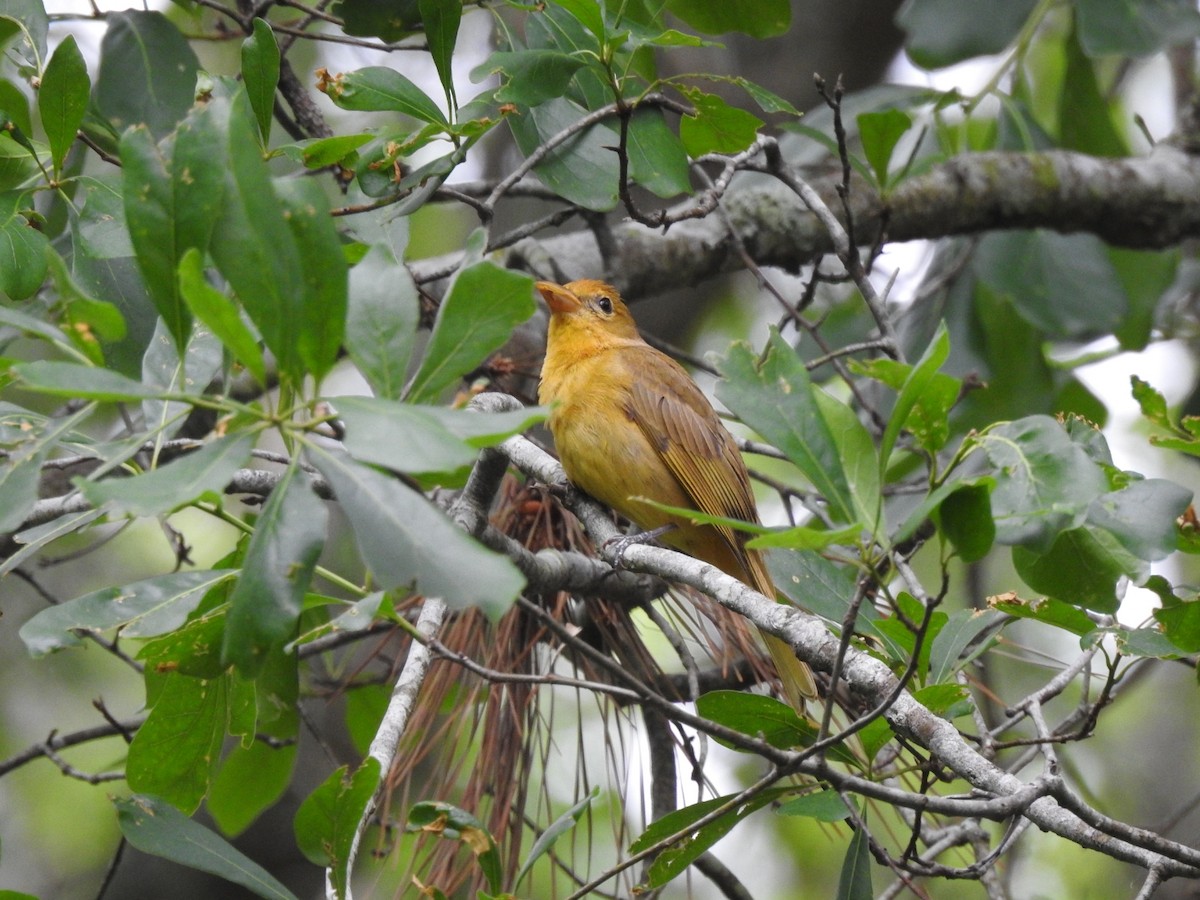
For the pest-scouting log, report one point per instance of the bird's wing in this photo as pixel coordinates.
(678, 420)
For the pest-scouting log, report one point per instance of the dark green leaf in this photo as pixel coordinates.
(943, 32)
(174, 754)
(219, 314)
(318, 153)
(855, 880)
(376, 88)
(322, 314)
(190, 477)
(260, 73)
(389, 20)
(381, 320)
(147, 72)
(478, 314)
(1044, 481)
(1145, 277)
(142, 609)
(824, 806)
(588, 14)
(250, 780)
(159, 829)
(533, 76)
(757, 18)
(1081, 567)
(960, 630)
(965, 518)
(326, 821)
(17, 164)
(946, 700)
(28, 18)
(254, 247)
(816, 584)
(69, 380)
(1123, 28)
(672, 861)
(583, 169)
(88, 320)
(1085, 111)
(164, 370)
(1141, 516)
(1150, 641)
(880, 132)
(758, 716)
(266, 601)
(441, 19)
(404, 540)
(715, 126)
(63, 97)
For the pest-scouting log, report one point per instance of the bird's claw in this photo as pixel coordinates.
(616, 546)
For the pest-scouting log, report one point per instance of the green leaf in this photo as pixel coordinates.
(880, 132)
(400, 436)
(266, 601)
(757, 18)
(657, 159)
(321, 316)
(14, 106)
(478, 314)
(965, 518)
(962, 627)
(1145, 277)
(803, 537)
(1046, 610)
(389, 20)
(1122, 28)
(855, 880)
(381, 320)
(1044, 481)
(824, 806)
(1081, 567)
(405, 541)
(219, 314)
(29, 19)
(317, 153)
(1141, 516)
(190, 477)
(145, 608)
(326, 821)
(159, 829)
(1181, 623)
(1065, 285)
(377, 88)
(88, 320)
(22, 257)
(254, 247)
(946, 700)
(676, 858)
(758, 716)
(260, 73)
(441, 19)
(777, 399)
(147, 72)
(716, 127)
(553, 832)
(63, 98)
(583, 170)
(816, 584)
(62, 379)
(174, 754)
(533, 76)
(1085, 111)
(588, 14)
(250, 780)
(943, 32)
(451, 822)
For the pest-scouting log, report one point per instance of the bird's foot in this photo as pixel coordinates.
(618, 545)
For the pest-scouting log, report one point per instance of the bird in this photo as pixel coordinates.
(629, 422)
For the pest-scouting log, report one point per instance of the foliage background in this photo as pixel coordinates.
(1074, 78)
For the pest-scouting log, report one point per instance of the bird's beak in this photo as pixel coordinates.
(558, 298)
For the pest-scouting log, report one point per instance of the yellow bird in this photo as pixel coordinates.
(628, 421)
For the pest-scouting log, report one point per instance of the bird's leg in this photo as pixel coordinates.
(618, 545)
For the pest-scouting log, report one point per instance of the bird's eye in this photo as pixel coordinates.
(605, 305)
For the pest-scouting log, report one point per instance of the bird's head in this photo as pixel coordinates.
(588, 307)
